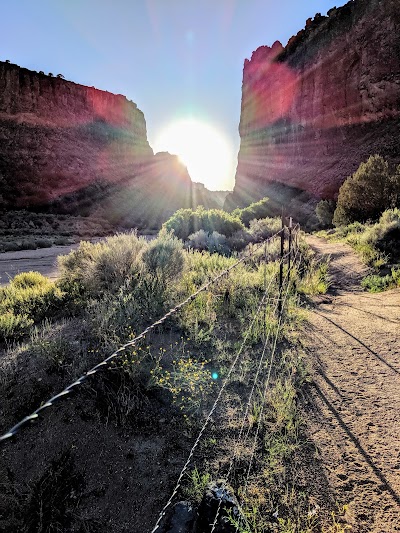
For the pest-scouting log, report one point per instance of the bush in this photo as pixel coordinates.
(375, 283)
(102, 267)
(390, 215)
(164, 257)
(44, 243)
(28, 298)
(13, 326)
(188, 221)
(212, 242)
(264, 228)
(26, 280)
(324, 211)
(239, 240)
(367, 193)
(260, 209)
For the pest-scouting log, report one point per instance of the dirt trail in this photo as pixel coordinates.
(353, 406)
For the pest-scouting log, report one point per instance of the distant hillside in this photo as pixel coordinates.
(68, 148)
(313, 110)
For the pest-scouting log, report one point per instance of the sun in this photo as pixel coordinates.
(204, 150)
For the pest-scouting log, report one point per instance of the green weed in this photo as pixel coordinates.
(196, 485)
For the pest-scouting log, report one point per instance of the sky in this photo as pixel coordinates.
(178, 60)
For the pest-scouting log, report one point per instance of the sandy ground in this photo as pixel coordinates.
(43, 260)
(353, 406)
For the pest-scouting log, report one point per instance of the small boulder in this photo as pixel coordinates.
(216, 492)
(182, 519)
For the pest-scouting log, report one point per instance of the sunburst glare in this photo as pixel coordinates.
(204, 149)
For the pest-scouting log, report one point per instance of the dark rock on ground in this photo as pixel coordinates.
(216, 492)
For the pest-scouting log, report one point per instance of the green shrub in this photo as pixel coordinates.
(30, 279)
(30, 294)
(105, 266)
(375, 283)
(187, 221)
(324, 211)
(367, 193)
(390, 215)
(164, 257)
(239, 240)
(263, 228)
(13, 326)
(212, 242)
(256, 210)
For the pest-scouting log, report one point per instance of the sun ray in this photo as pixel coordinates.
(204, 150)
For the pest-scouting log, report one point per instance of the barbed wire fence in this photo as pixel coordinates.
(266, 298)
(104, 363)
(279, 306)
(263, 401)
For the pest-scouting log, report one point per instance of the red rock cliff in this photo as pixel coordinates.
(58, 137)
(313, 110)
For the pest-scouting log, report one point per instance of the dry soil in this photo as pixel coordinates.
(353, 406)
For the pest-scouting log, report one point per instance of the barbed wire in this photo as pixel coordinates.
(183, 471)
(264, 399)
(234, 456)
(212, 410)
(103, 364)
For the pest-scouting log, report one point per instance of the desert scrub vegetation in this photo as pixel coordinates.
(185, 222)
(111, 291)
(378, 244)
(225, 233)
(367, 193)
(27, 299)
(24, 230)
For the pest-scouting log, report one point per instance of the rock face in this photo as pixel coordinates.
(67, 148)
(314, 110)
(57, 137)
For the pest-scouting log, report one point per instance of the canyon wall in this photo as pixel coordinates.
(68, 148)
(313, 110)
(58, 137)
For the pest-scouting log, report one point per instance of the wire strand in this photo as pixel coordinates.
(103, 364)
(211, 412)
(234, 456)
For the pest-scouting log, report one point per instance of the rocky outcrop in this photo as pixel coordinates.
(67, 148)
(163, 187)
(313, 110)
(58, 137)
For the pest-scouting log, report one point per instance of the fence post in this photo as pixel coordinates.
(290, 244)
(265, 289)
(281, 265)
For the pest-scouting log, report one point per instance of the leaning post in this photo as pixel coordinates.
(281, 263)
(290, 243)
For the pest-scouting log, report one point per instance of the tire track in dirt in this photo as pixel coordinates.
(353, 406)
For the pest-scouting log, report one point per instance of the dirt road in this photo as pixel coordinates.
(43, 260)
(353, 406)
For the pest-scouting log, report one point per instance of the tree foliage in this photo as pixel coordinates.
(368, 192)
(324, 211)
